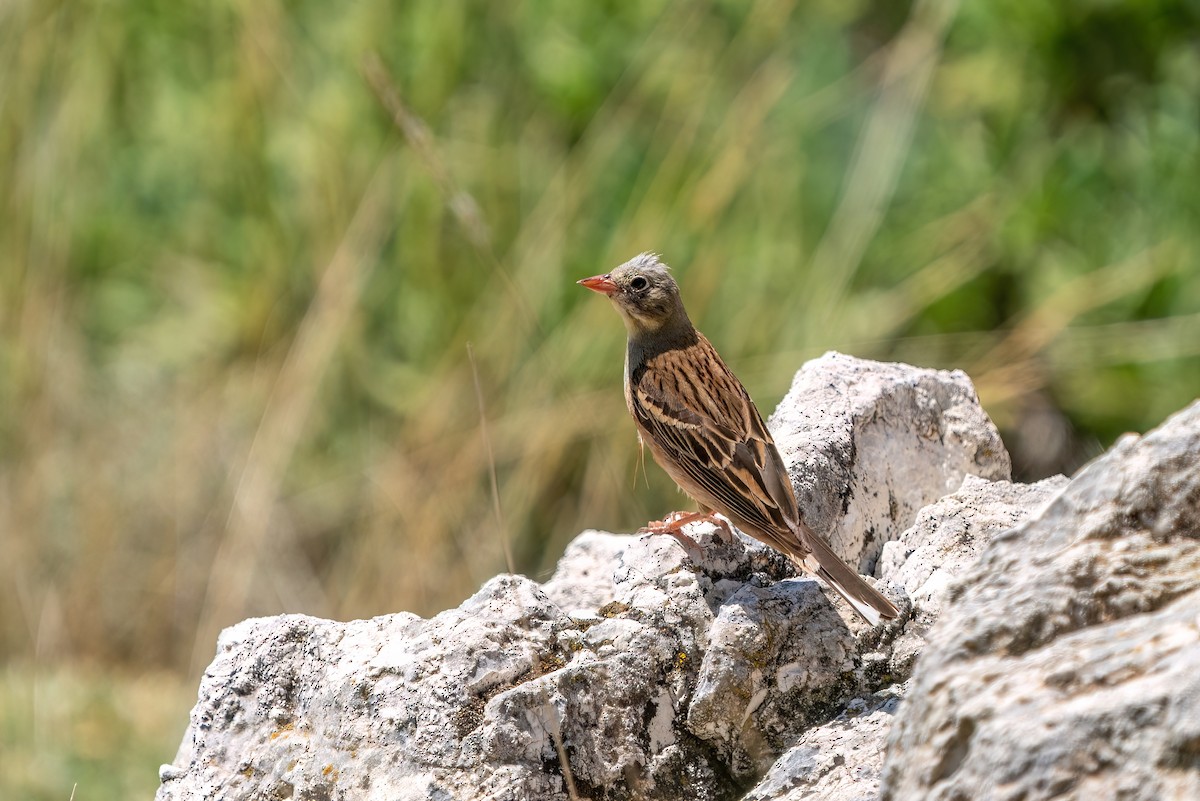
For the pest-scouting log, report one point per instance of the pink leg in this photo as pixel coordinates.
(673, 524)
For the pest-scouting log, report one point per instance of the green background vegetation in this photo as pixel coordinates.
(251, 318)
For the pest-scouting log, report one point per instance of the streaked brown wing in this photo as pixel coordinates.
(702, 420)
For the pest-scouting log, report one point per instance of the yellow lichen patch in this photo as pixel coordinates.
(286, 728)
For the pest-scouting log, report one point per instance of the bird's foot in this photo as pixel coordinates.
(674, 522)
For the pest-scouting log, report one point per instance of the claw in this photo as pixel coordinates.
(723, 524)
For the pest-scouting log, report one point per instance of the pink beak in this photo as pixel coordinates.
(599, 283)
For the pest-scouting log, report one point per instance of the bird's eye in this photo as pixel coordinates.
(639, 283)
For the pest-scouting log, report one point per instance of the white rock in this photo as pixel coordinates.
(949, 536)
(870, 443)
(1065, 663)
(837, 761)
(646, 667)
(583, 578)
(779, 658)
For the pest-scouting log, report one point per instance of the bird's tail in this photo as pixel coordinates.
(865, 599)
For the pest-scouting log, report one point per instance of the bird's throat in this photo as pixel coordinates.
(644, 344)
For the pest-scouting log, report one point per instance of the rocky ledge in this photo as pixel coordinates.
(1048, 646)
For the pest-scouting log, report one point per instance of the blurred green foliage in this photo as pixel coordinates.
(83, 734)
(236, 294)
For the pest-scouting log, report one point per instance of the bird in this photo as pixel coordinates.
(703, 429)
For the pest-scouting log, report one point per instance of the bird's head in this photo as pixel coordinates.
(644, 293)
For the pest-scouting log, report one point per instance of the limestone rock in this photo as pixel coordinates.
(870, 443)
(837, 761)
(779, 658)
(583, 577)
(949, 536)
(646, 667)
(1064, 664)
